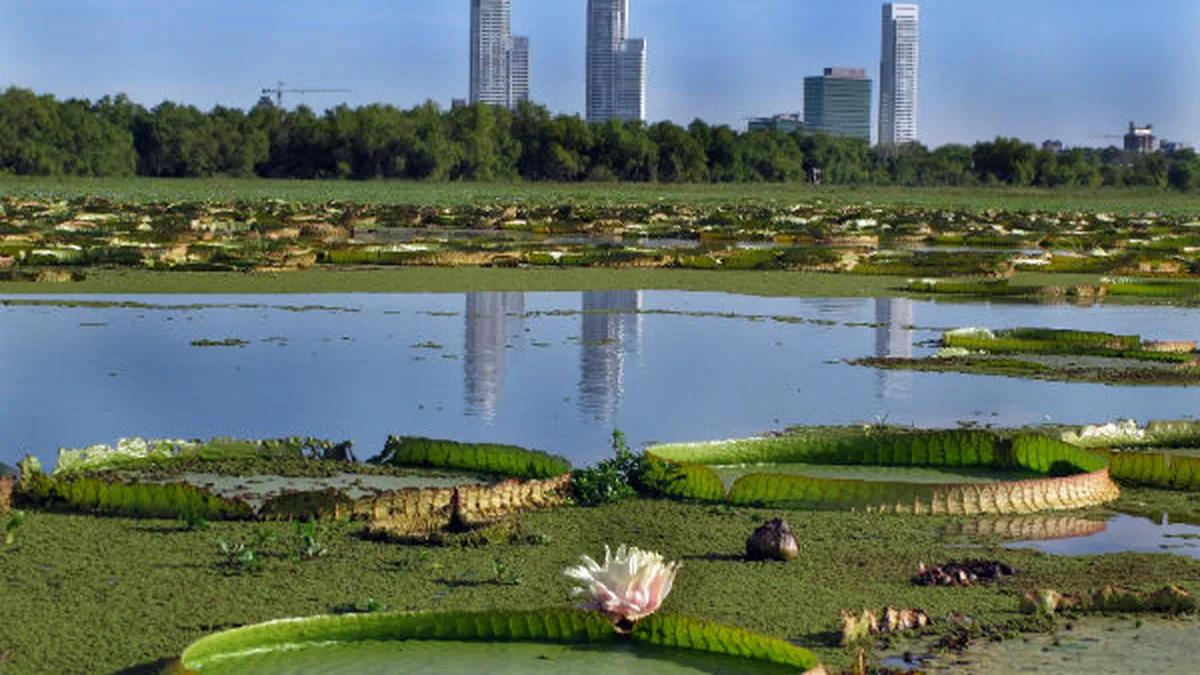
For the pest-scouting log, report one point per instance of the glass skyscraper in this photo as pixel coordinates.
(499, 61)
(616, 64)
(839, 103)
(898, 75)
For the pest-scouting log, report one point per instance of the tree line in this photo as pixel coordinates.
(41, 135)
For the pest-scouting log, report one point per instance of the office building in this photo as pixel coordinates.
(499, 62)
(838, 103)
(898, 75)
(616, 64)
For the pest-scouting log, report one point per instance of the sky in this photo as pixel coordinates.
(1074, 70)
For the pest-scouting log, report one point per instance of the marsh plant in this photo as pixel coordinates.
(237, 557)
(192, 520)
(504, 574)
(610, 480)
(629, 586)
(310, 546)
(15, 520)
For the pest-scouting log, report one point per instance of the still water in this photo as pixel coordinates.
(555, 371)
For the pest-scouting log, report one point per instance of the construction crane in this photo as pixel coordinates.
(280, 89)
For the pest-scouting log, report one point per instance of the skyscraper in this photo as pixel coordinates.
(518, 70)
(898, 74)
(839, 103)
(499, 62)
(616, 64)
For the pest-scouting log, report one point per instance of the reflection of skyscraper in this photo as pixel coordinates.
(893, 338)
(611, 328)
(491, 318)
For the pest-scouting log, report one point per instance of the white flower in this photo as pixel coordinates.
(629, 585)
(1113, 433)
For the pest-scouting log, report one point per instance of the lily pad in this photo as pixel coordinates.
(538, 641)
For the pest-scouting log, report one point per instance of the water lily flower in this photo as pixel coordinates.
(629, 585)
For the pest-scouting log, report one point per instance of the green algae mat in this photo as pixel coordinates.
(539, 641)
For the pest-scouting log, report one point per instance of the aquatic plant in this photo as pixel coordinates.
(773, 540)
(1110, 434)
(237, 557)
(971, 332)
(309, 546)
(629, 586)
(1109, 598)
(1075, 477)
(609, 480)
(504, 460)
(15, 520)
(561, 626)
(961, 573)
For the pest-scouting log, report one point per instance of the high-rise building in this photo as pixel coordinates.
(616, 64)
(839, 103)
(518, 71)
(898, 75)
(499, 61)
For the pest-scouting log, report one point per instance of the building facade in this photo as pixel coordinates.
(616, 64)
(499, 62)
(899, 74)
(519, 70)
(838, 103)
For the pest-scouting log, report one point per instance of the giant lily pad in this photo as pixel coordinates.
(541, 641)
(897, 470)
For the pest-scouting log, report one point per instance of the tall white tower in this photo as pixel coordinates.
(616, 64)
(499, 62)
(898, 74)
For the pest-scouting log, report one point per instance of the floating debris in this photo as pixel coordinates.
(964, 573)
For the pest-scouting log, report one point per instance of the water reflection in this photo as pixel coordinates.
(1127, 533)
(410, 363)
(893, 338)
(491, 319)
(612, 328)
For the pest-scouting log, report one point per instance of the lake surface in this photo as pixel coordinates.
(1127, 533)
(555, 371)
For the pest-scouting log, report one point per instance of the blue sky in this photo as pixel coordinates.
(1037, 69)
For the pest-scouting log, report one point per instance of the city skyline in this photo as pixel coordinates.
(1076, 80)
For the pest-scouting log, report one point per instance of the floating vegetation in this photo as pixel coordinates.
(962, 573)
(229, 479)
(1068, 477)
(1055, 354)
(948, 249)
(1168, 600)
(383, 642)
(507, 460)
(859, 629)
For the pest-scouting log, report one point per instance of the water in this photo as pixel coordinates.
(555, 371)
(1125, 533)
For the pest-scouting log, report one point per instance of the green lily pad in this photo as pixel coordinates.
(536, 641)
(517, 658)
